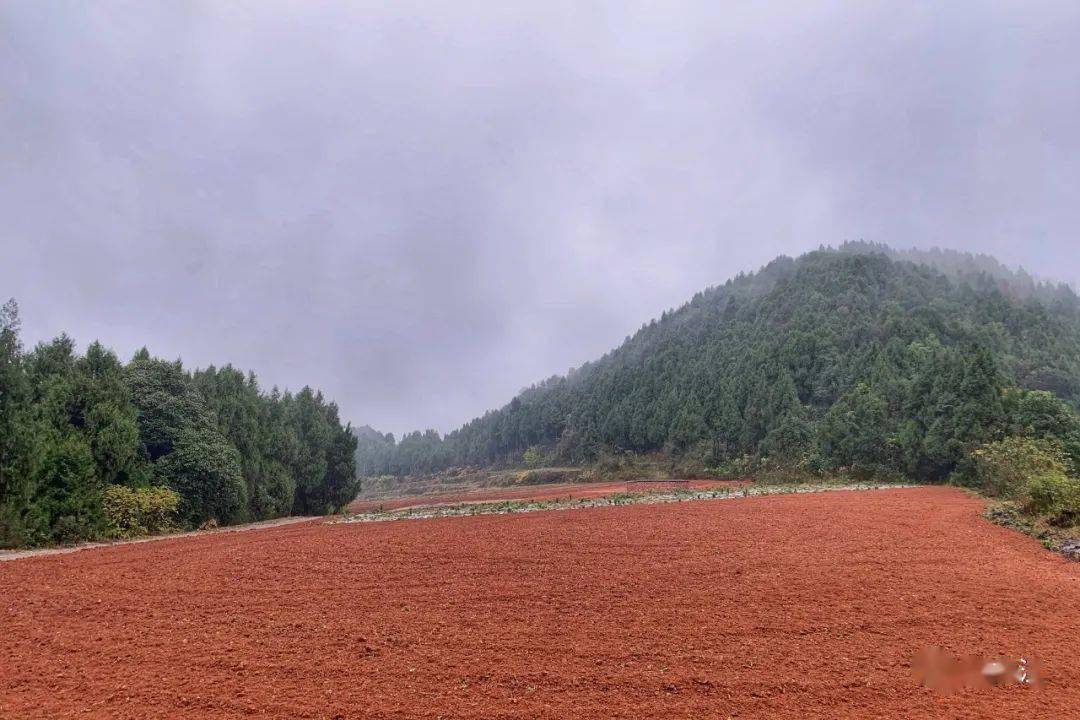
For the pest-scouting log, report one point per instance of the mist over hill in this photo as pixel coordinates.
(885, 361)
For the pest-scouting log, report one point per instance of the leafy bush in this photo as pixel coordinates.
(737, 467)
(532, 457)
(1053, 496)
(131, 512)
(1041, 414)
(1006, 467)
(1032, 473)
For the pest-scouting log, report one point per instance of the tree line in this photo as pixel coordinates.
(858, 359)
(84, 437)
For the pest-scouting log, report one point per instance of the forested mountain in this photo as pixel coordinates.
(91, 447)
(862, 357)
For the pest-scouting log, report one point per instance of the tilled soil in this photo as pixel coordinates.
(795, 606)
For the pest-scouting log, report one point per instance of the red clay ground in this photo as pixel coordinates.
(799, 606)
(517, 492)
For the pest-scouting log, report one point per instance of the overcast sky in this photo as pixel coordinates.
(422, 207)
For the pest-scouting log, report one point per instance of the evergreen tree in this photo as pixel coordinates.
(78, 432)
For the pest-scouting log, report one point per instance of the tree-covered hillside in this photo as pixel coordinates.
(92, 447)
(864, 358)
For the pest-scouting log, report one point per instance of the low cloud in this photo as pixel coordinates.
(423, 207)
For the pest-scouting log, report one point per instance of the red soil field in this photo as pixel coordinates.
(798, 606)
(517, 492)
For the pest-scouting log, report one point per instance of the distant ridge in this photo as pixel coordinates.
(888, 361)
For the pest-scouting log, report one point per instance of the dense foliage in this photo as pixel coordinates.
(1037, 475)
(131, 512)
(862, 358)
(73, 428)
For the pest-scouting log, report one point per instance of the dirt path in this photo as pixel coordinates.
(795, 606)
(44, 552)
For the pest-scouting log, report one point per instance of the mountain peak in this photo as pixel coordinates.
(859, 355)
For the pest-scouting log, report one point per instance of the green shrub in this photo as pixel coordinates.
(532, 457)
(1005, 468)
(1053, 496)
(738, 467)
(131, 512)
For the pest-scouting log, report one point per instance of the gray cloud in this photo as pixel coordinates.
(422, 207)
